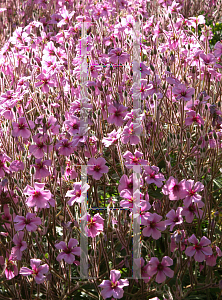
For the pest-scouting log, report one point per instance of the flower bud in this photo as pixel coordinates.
(32, 170)
(152, 67)
(206, 107)
(188, 135)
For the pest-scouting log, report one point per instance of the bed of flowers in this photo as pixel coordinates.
(110, 150)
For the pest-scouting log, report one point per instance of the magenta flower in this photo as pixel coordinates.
(20, 245)
(30, 222)
(160, 269)
(78, 193)
(68, 251)
(37, 270)
(140, 69)
(134, 159)
(200, 249)
(112, 138)
(21, 128)
(40, 148)
(114, 286)
(9, 266)
(193, 117)
(218, 49)
(192, 189)
(96, 167)
(174, 218)
(73, 124)
(38, 197)
(153, 225)
(152, 176)
(40, 169)
(117, 56)
(181, 92)
(44, 82)
(117, 114)
(65, 147)
(3, 167)
(131, 134)
(94, 224)
(126, 183)
(174, 189)
(211, 260)
(189, 210)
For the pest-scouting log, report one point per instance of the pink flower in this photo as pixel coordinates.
(174, 189)
(3, 167)
(9, 266)
(44, 82)
(193, 117)
(208, 58)
(134, 159)
(117, 114)
(78, 193)
(140, 264)
(94, 224)
(6, 216)
(21, 128)
(174, 218)
(130, 198)
(218, 49)
(38, 197)
(211, 260)
(131, 134)
(128, 183)
(193, 208)
(96, 167)
(117, 56)
(73, 124)
(181, 92)
(30, 222)
(160, 269)
(16, 166)
(113, 287)
(140, 69)
(191, 189)
(65, 147)
(37, 270)
(66, 17)
(40, 169)
(152, 176)
(200, 249)
(153, 226)
(40, 148)
(69, 251)
(112, 138)
(20, 245)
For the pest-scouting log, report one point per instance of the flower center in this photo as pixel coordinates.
(183, 93)
(176, 219)
(113, 284)
(21, 126)
(152, 175)
(97, 168)
(192, 208)
(198, 247)
(152, 224)
(160, 267)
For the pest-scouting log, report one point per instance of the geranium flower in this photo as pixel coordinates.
(211, 260)
(130, 198)
(40, 169)
(117, 56)
(140, 264)
(3, 167)
(38, 196)
(200, 249)
(20, 245)
(94, 224)
(65, 147)
(112, 138)
(174, 189)
(37, 270)
(128, 183)
(68, 251)
(160, 269)
(218, 49)
(30, 222)
(21, 128)
(114, 286)
(96, 167)
(189, 210)
(117, 112)
(152, 176)
(181, 92)
(78, 193)
(131, 134)
(9, 266)
(153, 225)
(191, 190)
(140, 69)
(134, 159)
(40, 148)
(66, 17)
(193, 117)
(44, 81)
(174, 218)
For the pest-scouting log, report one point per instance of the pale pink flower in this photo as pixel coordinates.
(218, 49)
(112, 138)
(192, 189)
(96, 167)
(37, 270)
(40, 169)
(152, 175)
(78, 193)
(174, 189)
(20, 245)
(193, 208)
(193, 117)
(174, 218)
(114, 286)
(117, 112)
(160, 269)
(65, 147)
(117, 56)
(21, 128)
(200, 249)
(131, 134)
(182, 92)
(68, 251)
(9, 266)
(30, 222)
(128, 183)
(94, 226)
(42, 145)
(3, 167)
(153, 225)
(38, 196)
(134, 159)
